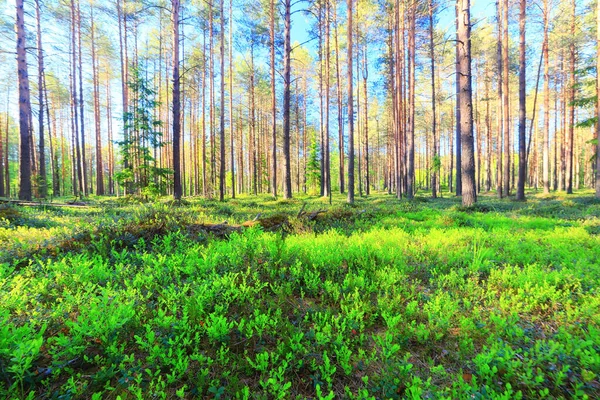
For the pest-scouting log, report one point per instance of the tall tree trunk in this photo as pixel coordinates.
(84, 183)
(273, 98)
(522, 104)
(211, 97)
(99, 163)
(350, 109)
(339, 101)
(231, 133)
(505, 104)
(410, 137)
(571, 107)
(222, 112)
(433, 102)
(546, 134)
(598, 100)
(327, 164)
(366, 122)
(42, 179)
(177, 190)
(458, 111)
(469, 195)
(499, 109)
(488, 129)
(24, 107)
(2, 191)
(287, 54)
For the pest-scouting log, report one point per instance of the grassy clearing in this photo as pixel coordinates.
(386, 299)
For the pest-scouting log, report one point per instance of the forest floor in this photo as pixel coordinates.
(263, 298)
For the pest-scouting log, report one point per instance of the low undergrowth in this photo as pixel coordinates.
(386, 299)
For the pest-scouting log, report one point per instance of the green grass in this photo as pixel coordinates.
(384, 299)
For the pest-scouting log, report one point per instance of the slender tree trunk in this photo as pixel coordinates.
(350, 109)
(339, 101)
(488, 129)
(522, 104)
(598, 101)
(410, 142)
(571, 107)
(458, 112)
(287, 54)
(327, 164)
(84, 183)
(2, 191)
(505, 104)
(499, 109)
(177, 189)
(273, 98)
(24, 107)
(42, 179)
(222, 111)
(211, 97)
(231, 131)
(469, 195)
(433, 102)
(366, 122)
(546, 134)
(111, 151)
(99, 163)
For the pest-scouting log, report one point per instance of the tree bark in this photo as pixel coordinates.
(231, 130)
(222, 111)
(522, 104)
(273, 97)
(469, 195)
(24, 107)
(571, 107)
(505, 104)
(598, 100)
(339, 101)
(546, 134)
(177, 190)
(458, 112)
(433, 102)
(42, 182)
(350, 109)
(99, 163)
(410, 137)
(287, 54)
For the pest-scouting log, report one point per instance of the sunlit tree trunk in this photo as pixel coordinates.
(469, 196)
(433, 102)
(410, 135)
(598, 99)
(287, 54)
(273, 98)
(84, 183)
(458, 111)
(571, 107)
(231, 129)
(177, 189)
(522, 104)
(99, 163)
(327, 164)
(42, 179)
(222, 111)
(339, 101)
(350, 109)
(546, 134)
(505, 104)
(24, 107)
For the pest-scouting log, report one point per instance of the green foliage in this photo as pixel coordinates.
(143, 138)
(313, 167)
(391, 299)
